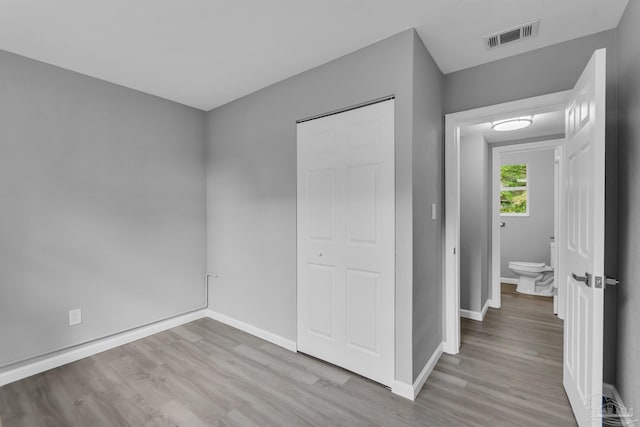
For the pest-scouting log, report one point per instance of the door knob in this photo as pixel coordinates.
(586, 279)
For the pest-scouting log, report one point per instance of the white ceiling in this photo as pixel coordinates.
(205, 53)
(544, 124)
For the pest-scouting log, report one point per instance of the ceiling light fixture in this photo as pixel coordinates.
(512, 124)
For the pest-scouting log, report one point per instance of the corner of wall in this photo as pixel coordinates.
(427, 191)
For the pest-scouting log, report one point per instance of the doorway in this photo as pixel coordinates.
(508, 191)
(454, 124)
(526, 219)
(581, 231)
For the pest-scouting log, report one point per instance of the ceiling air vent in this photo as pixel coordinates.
(511, 35)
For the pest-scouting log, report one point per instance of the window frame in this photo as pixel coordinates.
(521, 188)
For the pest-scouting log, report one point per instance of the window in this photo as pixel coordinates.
(514, 190)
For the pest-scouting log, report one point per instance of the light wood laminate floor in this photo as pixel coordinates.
(509, 372)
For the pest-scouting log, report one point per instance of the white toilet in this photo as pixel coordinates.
(535, 278)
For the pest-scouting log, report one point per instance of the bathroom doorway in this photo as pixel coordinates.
(525, 205)
(519, 213)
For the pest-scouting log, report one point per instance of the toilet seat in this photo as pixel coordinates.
(532, 267)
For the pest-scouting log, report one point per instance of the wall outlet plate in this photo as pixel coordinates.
(75, 316)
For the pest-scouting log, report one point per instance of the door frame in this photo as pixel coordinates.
(451, 272)
(495, 256)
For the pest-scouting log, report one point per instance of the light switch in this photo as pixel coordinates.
(433, 212)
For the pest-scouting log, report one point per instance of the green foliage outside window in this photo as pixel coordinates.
(513, 189)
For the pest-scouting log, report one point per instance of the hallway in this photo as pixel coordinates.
(509, 369)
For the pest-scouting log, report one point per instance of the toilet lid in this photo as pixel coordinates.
(528, 264)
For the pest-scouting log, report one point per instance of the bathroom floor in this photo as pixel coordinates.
(509, 369)
(509, 289)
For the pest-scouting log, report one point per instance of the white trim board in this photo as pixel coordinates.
(254, 330)
(409, 391)
(509, 280)
(86, 350)
(475, 315)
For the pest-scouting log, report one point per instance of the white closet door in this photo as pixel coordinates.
(346, 240)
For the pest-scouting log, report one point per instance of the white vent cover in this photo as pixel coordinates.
(511, 35)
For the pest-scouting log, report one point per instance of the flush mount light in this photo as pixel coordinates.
(511, 124)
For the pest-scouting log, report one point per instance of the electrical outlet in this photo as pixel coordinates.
(75, 316)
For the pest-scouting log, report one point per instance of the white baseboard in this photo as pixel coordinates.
(411, 391)
(85, 350)
(509, 280)
(475, 315)
(493, 303)
(403, 389)
(254, 330)
(611, 391)
(485, 308)
(450, 349)
(426, 371)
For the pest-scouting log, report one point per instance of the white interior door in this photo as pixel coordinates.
(346, 240)
(583, 243)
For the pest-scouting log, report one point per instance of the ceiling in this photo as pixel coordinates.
(544, 124)
(205, 53)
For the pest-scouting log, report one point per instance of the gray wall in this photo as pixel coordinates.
(526, 238)
(547, 70)
(628, 378)
(103, 208)
(475, 191)
(428, 188)
(251, 186)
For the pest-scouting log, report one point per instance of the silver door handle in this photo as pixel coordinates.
(586, 279)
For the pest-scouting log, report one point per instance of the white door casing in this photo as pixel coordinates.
(451, 291)
(583, 242)
(346, 240)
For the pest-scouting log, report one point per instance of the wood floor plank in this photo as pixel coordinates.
(314, 366)
(138, 412)
(508, 373)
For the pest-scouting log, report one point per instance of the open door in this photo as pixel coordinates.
(583, 242)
